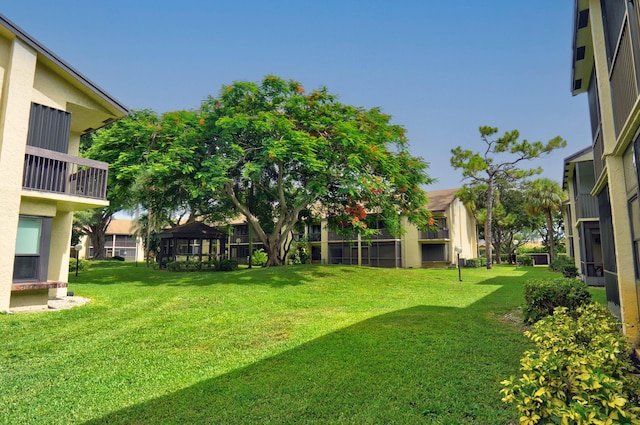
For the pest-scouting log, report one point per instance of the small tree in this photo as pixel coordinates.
(94, 223)
(490, 164)
(544, 196)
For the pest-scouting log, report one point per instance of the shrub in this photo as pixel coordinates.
(542, 296)
(117, 258)
(560, 262)
(82, 265)
(195, 266)
(300, 252)
(525, 260)
(175, 266)
(580, 372)
(259, 258)
(183, 266)
(476, 262)
(226, 265)
(570, 271)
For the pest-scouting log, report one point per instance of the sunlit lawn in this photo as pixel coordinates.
(299, 344)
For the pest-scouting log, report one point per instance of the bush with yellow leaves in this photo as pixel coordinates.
(580, 372)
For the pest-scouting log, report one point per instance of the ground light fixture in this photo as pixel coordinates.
(78, 247)
(516, 242)
(458, 251)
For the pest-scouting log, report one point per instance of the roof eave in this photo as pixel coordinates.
(64, 66)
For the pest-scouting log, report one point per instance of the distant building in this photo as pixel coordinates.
(45, 106)
(120, 240)
(581, 217)
(413, 249)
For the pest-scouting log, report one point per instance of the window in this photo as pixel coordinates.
(32, 249)
(613, 14)
(434, 252)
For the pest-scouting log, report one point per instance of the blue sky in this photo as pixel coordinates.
(440, 68)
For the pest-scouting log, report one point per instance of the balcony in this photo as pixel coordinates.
(240, 238)
(623, 80)
(586, 206)
(55, 172)
(441, 234)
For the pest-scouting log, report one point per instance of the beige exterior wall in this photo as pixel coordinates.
(324, 242)
(411, 250)
(14, 125)
(29, 73)
(462, 230)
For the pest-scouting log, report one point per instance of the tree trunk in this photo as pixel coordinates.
(97, 240)
(148, 236)
(552, 244)
(273, 253)
(487, 225)
(96, 233)
(497, 244)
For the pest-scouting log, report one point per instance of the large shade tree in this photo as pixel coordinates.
(275, 150)
(545, 197)
(499, 159)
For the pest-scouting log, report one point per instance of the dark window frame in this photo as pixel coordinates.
(42, 263)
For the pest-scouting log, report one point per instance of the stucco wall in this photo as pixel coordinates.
(14, 125)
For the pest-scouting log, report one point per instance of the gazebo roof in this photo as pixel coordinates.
(193, 230)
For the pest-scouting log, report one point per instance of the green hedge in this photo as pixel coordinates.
(82, 265)
(193, 266)
(525, 260)
(579, 373)
(476, 262)
(542, 296)
(565, 265)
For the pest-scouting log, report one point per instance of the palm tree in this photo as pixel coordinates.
(544, 196)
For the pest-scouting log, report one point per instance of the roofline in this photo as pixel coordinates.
(569, 162)
(578, 154)
(40, 48)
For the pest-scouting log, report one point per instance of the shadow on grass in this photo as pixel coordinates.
(418, 365)
(102, 274)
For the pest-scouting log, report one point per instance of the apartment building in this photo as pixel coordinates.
(606, 66)
(457, 227)
(45, 106)
(120, 240)
(581, 217)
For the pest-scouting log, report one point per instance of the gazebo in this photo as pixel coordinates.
(192, 241)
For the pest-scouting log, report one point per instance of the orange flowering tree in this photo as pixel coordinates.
(275, 150)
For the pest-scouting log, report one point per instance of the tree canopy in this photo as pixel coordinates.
(272, 152)
(276, 151)
(499, 158)
(545, 197)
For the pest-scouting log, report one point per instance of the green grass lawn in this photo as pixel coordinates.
(299, 344)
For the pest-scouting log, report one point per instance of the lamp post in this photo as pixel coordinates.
(458, 250)
(516, 242)
(78, 247)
